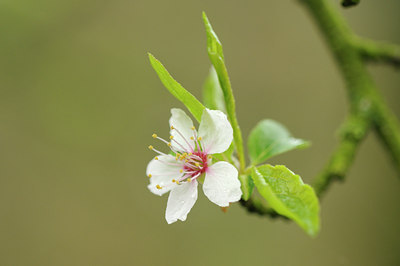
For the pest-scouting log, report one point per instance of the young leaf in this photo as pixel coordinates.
(216, 55)
(247, 186)
(176, 89)
(213, 97)
(288, 195)
(269, 138)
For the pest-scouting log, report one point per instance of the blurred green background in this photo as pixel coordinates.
(79, 102)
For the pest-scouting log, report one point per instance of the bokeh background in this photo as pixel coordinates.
(79, 102)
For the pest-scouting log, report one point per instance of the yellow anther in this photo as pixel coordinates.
(173, 180)
(181, 171)
(158, 187)
(171, 137)
(154, 135)
(209, 156)
(190, 154)
(184, 154)
(149, 175)
(199, 138)
(177, 182)
(189, 180)
(186, 160)
(193, 128)
(169, 144)
(151, 147)
(172, 127)
(197, 164)
(156, 158)
(191, 138)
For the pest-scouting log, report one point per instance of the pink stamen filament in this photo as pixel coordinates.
(168, 163)
(184, 149)
(168, 143)
(180, 134)
(159, 152)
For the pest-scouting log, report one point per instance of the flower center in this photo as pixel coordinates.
(198, 166)
(189, 154)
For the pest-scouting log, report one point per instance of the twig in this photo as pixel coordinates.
(367, 108)
(378, 51)
(352, 133)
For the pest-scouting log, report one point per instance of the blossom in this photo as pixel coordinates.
(180, 173)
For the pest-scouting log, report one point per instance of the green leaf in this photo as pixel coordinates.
(216, 55)
(247, 186)
(288, 195)
(214, 46)
(269, 138)
(176, 89)
(213, 97)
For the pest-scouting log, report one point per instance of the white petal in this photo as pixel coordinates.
(182, 122)
(180, 201)
(162, 172)
(216, 131)
(221, 184)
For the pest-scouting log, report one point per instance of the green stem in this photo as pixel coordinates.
(364, 98)
(215, 52)
(231, 110)
(352, 133)
(367, 108)
(378, 51)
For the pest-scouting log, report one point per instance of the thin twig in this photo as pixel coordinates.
(367, 107)
(352, 133)
(378, 51)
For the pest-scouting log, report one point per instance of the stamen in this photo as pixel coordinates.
(195, 140)
(168, 163)
(195, 177)
(149, 175)
(159, 152)
(178, 144)
(158, 187)
(163, 140)
(154, 135)
(180, 134)
(156, 158)
(173, 180)
(198, 157)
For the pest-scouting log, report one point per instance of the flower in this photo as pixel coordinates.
(193, 151)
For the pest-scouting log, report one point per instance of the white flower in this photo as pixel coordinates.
(193, 150)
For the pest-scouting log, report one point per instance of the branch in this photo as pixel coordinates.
(367, 108)
(388, 130)
(378, 51)
(352, 133)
